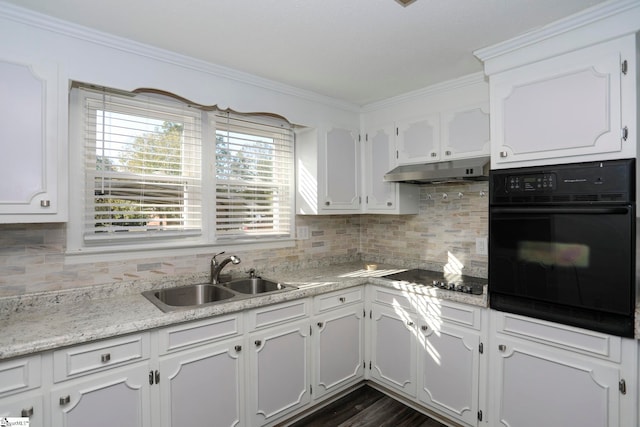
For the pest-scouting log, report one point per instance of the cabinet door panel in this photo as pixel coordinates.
(23, 406)
(278, 371)
(419, 140)
(575, 104)
(339, 350)
(342, 175)
(202, 385)
(449, 371)
(394, 349)
(119, 397)
(29, 109)
(538, 387)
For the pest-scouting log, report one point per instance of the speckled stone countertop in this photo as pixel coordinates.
(45, 321)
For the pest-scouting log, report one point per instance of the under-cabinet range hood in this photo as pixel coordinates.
(476, 169)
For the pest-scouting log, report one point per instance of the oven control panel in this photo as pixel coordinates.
(532, 182)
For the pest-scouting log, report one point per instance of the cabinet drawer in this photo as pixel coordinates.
(88, 358)
(194, 333)
(395, 298)
(19, 375)
(562, 336)
(338, 299)
(275, 314)
(442, 311)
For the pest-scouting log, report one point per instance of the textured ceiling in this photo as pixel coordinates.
(359, 51)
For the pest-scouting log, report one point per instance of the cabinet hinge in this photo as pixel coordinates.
(481, 348)
(624, 67)
(625, 133)
(479, 415)
(310, 330)
(622, 386)
(364, 313)
(364, 365)
(370, 315)
(369, 365)
(397, 155)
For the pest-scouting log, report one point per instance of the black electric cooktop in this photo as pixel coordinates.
(466, 284)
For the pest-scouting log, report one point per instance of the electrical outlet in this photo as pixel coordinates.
(482, 246)
(302, 232)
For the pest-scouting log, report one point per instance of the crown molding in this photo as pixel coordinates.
(457, 83)
(68, 29)
(620, 10)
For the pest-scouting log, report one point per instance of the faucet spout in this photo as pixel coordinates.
(216, 267)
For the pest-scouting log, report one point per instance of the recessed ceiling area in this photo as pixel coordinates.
(359, 51)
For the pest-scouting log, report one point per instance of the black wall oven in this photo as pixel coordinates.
(562, 244)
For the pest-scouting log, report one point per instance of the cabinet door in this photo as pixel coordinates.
(418, 140)
(119, 397)
(394, 348)
(449, 366)
(566, 106)
(24, 405)
(465, 133)
(28, 142)
(278, 377)
(379, 147)
(341, 170)
(202, 385)
(338, 349)
(537, 385)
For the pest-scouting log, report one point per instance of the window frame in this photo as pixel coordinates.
(185, 242)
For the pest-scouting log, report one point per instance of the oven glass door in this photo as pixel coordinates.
(578, 257)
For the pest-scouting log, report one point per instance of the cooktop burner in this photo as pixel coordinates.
(466, 284)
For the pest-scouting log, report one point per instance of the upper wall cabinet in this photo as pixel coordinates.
(452, 134)
(566, 92)
(381, 196)
(328, 171)
(30, 155)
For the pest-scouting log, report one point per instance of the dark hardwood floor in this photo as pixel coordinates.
(366, 407)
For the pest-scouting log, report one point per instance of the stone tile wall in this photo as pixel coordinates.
(443, 233)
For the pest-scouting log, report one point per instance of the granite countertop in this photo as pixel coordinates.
(45, 321)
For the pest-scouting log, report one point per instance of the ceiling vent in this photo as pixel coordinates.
(405, 3)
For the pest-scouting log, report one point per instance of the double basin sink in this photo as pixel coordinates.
(204, 294)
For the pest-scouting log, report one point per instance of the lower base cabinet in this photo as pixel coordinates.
(448, 370)
(278, 372)
(547, 374)
(201, 385)
(117, 397)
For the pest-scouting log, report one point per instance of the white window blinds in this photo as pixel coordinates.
(254, 176)
(142, 167)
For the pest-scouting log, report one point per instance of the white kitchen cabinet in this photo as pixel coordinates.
(28, 405)
(578, 106)
(120, 396)
(393, 345)
(418, 140)
(20, 389)
(32, 108)
(449, 347)
(278, 368)
(328, 171)
(203, 384)
(550, 374)
(465, 132)
(338, 341)
(278, 372)
(201, 373)
(453, 134)
(379, 158)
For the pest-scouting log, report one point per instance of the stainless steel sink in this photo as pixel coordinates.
(188, 296)
(255, 285)
(202, 294)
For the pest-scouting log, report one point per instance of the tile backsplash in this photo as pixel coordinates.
(451, 216)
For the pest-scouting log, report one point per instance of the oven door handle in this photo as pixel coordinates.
(620, 210)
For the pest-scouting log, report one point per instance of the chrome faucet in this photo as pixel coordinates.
(216, 267)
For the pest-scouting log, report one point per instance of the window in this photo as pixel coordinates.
(155, 169)
(254, 177)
